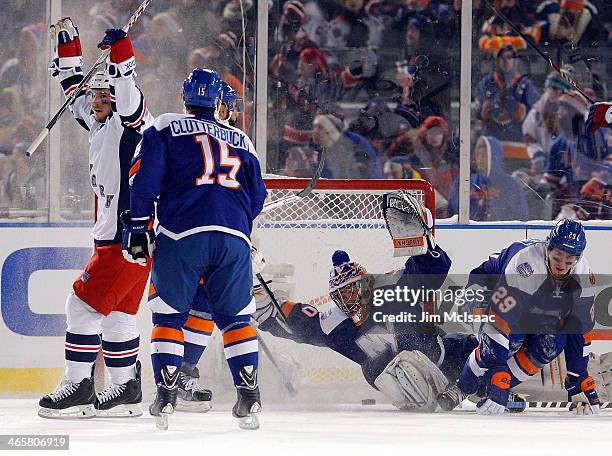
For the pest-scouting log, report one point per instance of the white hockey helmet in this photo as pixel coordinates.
(99, 81)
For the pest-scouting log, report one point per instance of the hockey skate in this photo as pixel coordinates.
(70, 400)
(450, 398)
(165, 398)
(191, 396)
(121, 400)
(248, 405)
(516, 403)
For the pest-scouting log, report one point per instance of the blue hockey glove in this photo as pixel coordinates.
(138, 239)
(111, 36)
(576, 387)
(498, 391)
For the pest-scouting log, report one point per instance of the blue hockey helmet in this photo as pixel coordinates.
(202, 88)
(568, 236)
(228, 96)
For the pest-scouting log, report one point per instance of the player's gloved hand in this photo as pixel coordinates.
(581, 392)
(264, 307)
(67, 53)
(257, 260)
(600, 116)
(138, 239)
(498, 391)
(121, 58)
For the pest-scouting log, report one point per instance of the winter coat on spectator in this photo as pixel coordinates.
(438, 165)
(355, 30)
(494, 194)
(347, 155)
(570, 20)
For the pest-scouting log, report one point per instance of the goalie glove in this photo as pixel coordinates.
(121, 58)
(600, 116)
(67, 53)
(409, 223)
(138, 239)
(581, 392)
(264, 307)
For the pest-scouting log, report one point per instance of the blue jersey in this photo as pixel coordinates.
(204, 176)
(526, 299)
(373, 345)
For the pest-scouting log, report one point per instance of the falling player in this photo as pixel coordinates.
(542, 306)
(212, 190)
(106, 296)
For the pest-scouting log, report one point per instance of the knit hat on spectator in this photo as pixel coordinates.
(575, 101)
(331, 125)
(415, 23)
(572, 5)
(495, 44)
(232, 9)
(228, 39)
(314, 57)
(556, 81)
(293, 10)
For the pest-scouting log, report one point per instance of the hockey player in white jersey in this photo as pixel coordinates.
(106, 295)
(541, 305)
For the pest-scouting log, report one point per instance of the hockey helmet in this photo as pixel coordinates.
(568, 235)
(202, 88)
(99, 81)
(229, 97)
(349, 287)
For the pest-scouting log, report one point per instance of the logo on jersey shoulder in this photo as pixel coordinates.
(524, 269)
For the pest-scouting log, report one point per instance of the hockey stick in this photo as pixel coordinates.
(281, 315)
(79, 88)
(285, 381)
(533, 46)
(302, 193)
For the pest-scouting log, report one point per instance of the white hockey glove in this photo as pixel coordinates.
(67, 53)
(410, 224)
(412, 382)
(257, 260)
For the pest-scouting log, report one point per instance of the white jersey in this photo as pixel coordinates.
(112, 145)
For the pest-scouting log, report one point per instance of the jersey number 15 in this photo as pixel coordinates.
(225, 159)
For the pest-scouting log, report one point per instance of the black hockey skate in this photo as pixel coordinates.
(248, 405)
(121, 400)
(70, 400)
(165, 398)
(450, 398)
(191, 396)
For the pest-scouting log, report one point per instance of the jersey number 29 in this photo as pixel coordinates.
(225, 159)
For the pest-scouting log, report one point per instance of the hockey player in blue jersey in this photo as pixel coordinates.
(542, 305)
(206, 181)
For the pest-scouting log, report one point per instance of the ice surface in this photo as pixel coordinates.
(295, 430)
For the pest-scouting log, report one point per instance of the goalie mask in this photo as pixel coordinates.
(350, 287)
(410, 224)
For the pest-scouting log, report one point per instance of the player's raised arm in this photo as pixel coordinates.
(66, 66)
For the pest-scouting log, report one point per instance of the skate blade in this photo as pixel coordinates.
(121, 411)
(251, 421)
(70, 413)
(161, 421)
(193, 406)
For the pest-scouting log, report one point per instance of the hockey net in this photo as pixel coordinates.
(298, 240)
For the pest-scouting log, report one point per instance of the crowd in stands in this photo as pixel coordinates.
(374, 84)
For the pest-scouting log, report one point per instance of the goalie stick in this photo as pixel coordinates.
(533, 46)
(79, 88)
(283, 378)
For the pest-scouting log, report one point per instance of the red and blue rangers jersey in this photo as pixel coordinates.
(204, 176)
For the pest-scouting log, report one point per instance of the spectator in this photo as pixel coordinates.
(494, 195)
(520, 12)
(437, 160)
(353, 27)
(540, 126)
(347, 155)
(302, 20)
(504, 97)
(299, 162)
(400, 168)
(573, 21)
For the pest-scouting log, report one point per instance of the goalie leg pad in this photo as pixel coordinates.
(412, 382)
